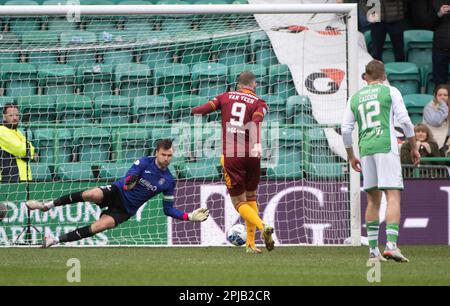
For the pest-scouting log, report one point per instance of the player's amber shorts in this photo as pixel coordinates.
(241, 174)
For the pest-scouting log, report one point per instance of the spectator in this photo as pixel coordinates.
(435, 114)
(14, 152)
(363, 24)
(389, 18)
(425, 143)
(421, 14)
(441, 41)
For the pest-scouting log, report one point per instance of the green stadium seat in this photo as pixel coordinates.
(200, 170)
(388, 51)
(9, 39)
(418, 46)
(41, 39)
(95, 79)
(44, 141)
(57, 79)
(64, 145)
(9, 57)
(99, 24)
(113, 171)
(262, 48)
(74, 109)
(368, 39)
(290, 145)
(260, 72)
(404, 76)
(208, 147)
(209, 79)
(132, 144)
(21, 25)
(93, 144)
(81, 57)
(75, 172)
(305, 120)
(175, 24)
(154, 56)
(43, 58)
(232, 50)
(135, 2)
(40, 172)
(4, 100)
(182, 106)
(138, 26)
(112, 109)
(37, 108)
(77, 37)
(280, 79)
(117, 56)
(181, 141)
(151, 109)
(296, 105)
(115, 36)
(171, 2)
(276, 108)
(415, 104)
(21, 2)
(133, 80)
(198, 51)
(172, 79)
(285, 171)
(197, 2)
(95, 2)
(19, 80)
(60, 24)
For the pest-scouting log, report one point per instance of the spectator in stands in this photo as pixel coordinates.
(14, 150)
(425, 143)
(421, 14)
(389, 18)
(363, 24)
(435, 114)
(441, 41)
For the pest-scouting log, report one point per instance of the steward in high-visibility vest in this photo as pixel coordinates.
(14, 152)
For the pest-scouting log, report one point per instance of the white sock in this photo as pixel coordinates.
(391, 245)
(49, 205)
(374, 251)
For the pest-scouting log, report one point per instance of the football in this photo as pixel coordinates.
(3, 211)
(237, 235)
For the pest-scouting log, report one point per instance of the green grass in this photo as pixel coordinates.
(430, 265)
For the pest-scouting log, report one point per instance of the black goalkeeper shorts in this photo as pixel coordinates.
(112, 200)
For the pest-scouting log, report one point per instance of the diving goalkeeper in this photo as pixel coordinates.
(147, 177)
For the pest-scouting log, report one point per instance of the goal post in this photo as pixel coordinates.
(97, 85)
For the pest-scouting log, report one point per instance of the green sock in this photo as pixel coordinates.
(392, 234)
(372, 233)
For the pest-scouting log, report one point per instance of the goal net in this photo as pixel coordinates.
(95, 92)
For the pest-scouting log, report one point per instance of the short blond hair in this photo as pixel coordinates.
(246, 78)
(375, 70)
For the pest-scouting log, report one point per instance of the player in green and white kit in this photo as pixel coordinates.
(374, 108)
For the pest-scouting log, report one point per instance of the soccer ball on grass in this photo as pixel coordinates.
(237, 235)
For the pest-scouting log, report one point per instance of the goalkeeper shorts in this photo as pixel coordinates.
(112, 200)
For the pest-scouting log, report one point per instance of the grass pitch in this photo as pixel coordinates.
(430, 265)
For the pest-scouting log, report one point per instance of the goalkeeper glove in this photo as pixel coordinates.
(198, 215)
(130, 182)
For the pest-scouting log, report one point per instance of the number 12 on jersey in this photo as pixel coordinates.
(368, 111)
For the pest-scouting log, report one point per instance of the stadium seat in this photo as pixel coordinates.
(415, 104)
(296, 106)
(404, 76)
(200, 170)
(74, 109)
(19, 80)
(133, 80)
(9, 57)
(175, 24)
(81, 57)
(95, 79)
(232, 50)
(151, 109)
(111, 109)
(93, 144)
(57, 79)
(276, 108)
(135, 2)
(280, 79)
(290, 145)
(23, 24)
(209, 79)
(59, 24)
(40, 172)
(8, 38)
(44, 141)
(138, 26)
(132, 144)
(118, 56)
(388, 51)
(262, 48)
(180, 135)
(41, 39)
(99, 24)
(4, 100)
(210, 2)
(77, 37)
(154, 56)
(182, 106)
(37, 108)
(64, 145)
(115, 36)
(96, 2)
(171, 2)
(285, 171)
(418, 46)
(198, 51)
(113, 171)
(260, 72)
(75, 172)
(172, 79)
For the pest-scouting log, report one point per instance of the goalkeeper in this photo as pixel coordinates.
(147, 177)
